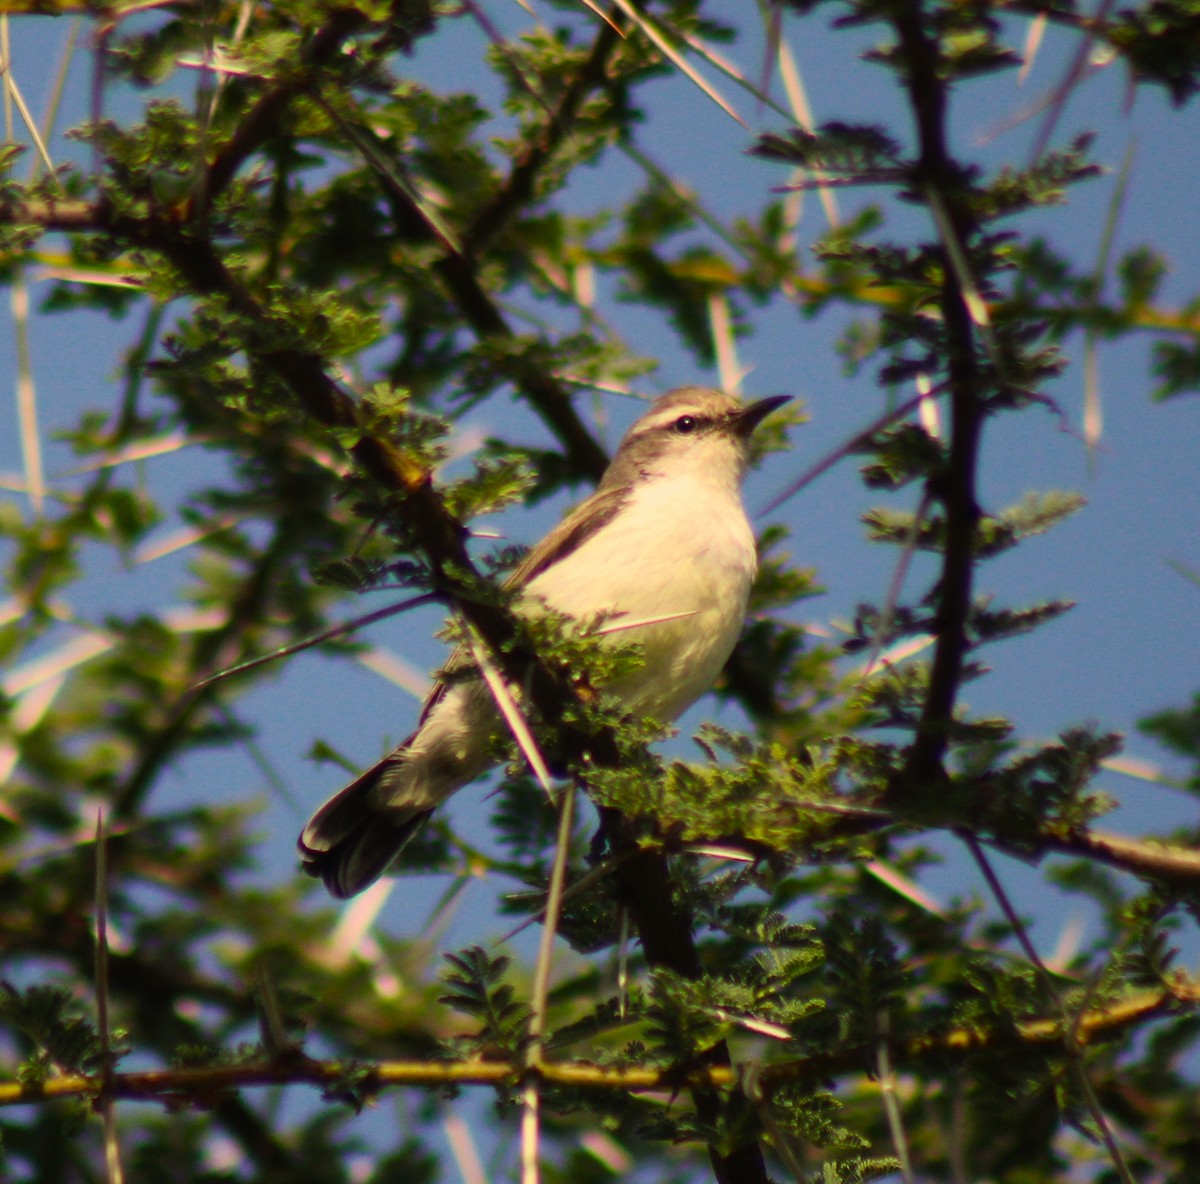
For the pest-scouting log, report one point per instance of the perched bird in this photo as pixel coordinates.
(664, 539)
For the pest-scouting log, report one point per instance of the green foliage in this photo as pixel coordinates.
(838, 148)
(866, 980)
(1179, 729)
(338, 250)
(1178, 368)
(474, 987)
(854, 1171)
(61, 1037)
(1153, 39)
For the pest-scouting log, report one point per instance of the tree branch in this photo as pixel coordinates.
(665, 928)
(1160, 862)
(457, 271)
(173, 1085)
(518, 191)
(955, 486)
(262, 120)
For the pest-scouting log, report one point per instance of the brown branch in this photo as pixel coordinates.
(458, 273)
(146, 983)
(58, 8)
(201, 1084)
(664, 925)
(53, 213)
(1160, 862)
(537, 154)
(955, 486)
(263, 119)
(548, 397)
(458, 268)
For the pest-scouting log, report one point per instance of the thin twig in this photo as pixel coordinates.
(540, 990)
(112, 1148)
(760, 92)
(1071, 1025)
(577, 888)
(261, 121)
(664, 46)
(27, 416)
(170, 1085)
(886, 1074)
(328, 635)
(462, 1147)
(793, 84)
(13, 94)
(720, 325)
(1093, 412)
(537, 154)
(513, 716)
(1075, 71)
(969, 293)
(897, 583)
(388, 169)
(848, 448)
(1033, 42)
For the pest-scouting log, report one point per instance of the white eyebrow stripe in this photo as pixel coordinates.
(710, 407)
(672, 415)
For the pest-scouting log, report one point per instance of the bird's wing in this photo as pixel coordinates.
(569, 535)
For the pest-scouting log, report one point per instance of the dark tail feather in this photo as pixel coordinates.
(349, 841)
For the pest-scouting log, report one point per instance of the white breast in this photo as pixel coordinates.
(678, 546)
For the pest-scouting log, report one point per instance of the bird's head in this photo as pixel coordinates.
(692, 431)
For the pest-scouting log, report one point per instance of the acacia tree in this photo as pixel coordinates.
(324, 266)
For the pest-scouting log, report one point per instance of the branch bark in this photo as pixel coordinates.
(955, 486)
(172, 1085)
(664, 929)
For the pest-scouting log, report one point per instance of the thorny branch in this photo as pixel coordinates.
(665, 931)
(174, 1085)
(955, 485)
(262, 120)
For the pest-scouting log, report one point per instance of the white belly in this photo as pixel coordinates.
(677, 547)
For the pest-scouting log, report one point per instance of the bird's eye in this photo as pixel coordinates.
(686, 424)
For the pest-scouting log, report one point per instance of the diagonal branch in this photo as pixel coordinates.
(262, 121)
(518, 191)
(457, 270)
(664, 928)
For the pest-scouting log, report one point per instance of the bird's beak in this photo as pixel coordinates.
(750, 416)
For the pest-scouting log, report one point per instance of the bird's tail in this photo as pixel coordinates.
(351, 839)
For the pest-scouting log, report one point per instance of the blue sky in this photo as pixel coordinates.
(1132, 645)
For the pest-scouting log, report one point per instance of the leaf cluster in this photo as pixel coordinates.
(334, 261)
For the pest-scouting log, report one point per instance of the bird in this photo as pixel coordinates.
(663, 540)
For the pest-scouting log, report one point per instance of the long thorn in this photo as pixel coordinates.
(112, 1149)
(328, 635)
(832, 458)
(541, 987)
